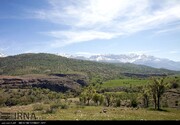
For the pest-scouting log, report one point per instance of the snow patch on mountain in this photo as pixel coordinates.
(142, 59)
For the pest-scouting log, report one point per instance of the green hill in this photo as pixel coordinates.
(43, 63)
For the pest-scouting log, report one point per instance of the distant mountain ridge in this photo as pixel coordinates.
(44, 63)
(141, 59)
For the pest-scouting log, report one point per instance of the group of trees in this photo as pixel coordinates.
(153, 91)
(90, 96)
(11, 97)
(89, 93)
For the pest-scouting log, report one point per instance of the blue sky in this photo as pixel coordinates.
(88, 27)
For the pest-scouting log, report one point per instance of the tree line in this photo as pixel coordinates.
(154, 91)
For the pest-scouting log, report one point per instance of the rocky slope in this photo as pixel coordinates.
(54, 82)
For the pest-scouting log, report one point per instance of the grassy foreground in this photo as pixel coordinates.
(94, 113)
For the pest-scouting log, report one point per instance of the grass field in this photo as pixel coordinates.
(124, 83)
(94, 113)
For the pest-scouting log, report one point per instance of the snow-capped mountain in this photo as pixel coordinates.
(159, 63)
(118, 58)
(133, 58)
(64, 55)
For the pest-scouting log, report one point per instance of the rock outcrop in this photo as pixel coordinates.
(54, 82)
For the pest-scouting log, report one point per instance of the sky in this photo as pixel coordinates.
(90, 27)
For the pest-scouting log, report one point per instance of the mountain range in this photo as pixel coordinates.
(141, 59)
(44, 63)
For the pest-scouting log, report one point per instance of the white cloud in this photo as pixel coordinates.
(86, 54)
(63, 38)
(174, 52)
(106, 19)
(147, 52)
(167, 30)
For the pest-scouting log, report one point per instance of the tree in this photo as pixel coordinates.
(133, 99)
(90, 91)
(145, 96)
(87, 94)
(157, 89)
(101, 99)
(96, 98)
(109, 98)
(96, 80)
(83, 98)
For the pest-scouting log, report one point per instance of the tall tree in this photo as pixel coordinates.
(87, 94)
(157, 89)
(145, 96)
(108, 98)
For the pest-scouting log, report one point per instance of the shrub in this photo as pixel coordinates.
(55, 106)
(118, 102)
(38, 107)
(64, 106)
(108, 98)
(50, 110)
(47, 101)
(11, 102)
(101, 100)
(25, 100)
(134, 103)
(174, 85)
(96, 98)
(2, 100)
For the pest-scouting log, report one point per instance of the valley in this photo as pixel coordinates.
(89, 60)
(59, 88)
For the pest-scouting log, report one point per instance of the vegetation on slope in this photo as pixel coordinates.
(124, 83)
(42, 63)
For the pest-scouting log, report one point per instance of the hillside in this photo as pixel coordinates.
(48, 63)
(43, 63)
(54, 82)
(47, 78)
